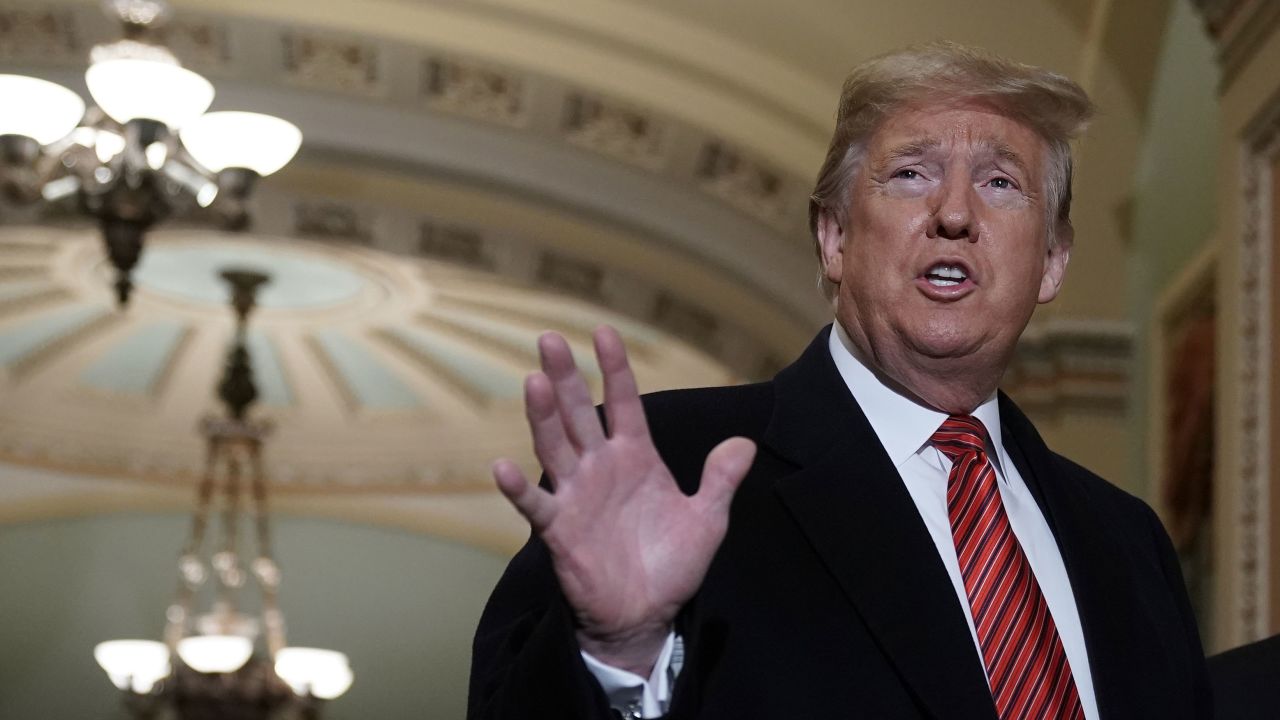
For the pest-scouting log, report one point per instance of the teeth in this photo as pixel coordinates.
(945, 275)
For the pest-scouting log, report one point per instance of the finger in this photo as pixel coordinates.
(727, 464)
(572, 395)
(550, 443)
(622, 404)
(535, 504)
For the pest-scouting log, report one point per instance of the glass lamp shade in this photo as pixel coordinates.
(107, 145)
(215, 653)
(261, 143)
(135, 665)
(129, 89)
(38, 109)
(324, 674)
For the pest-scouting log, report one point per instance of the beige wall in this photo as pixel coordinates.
(1160, 200)
(1173, 216)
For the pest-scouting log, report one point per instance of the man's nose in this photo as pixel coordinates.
(952, 211)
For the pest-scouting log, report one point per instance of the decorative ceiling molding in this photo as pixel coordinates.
(615, 129)
(400, 74)
(752, 350)
(632, 51)
(1238, 28)
(475, 90)
(432, 111)
(1061, 365)
(200, 42)
(40, 32)
(335, 64)
(746, 183)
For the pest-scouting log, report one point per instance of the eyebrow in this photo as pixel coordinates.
(1008, 154)
(918, 148)
(913, 148)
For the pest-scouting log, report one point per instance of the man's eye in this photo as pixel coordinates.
(1001, 183)
(906, 174)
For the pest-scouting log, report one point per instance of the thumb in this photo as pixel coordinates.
(727, 464)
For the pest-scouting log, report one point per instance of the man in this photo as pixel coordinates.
(876, 532)
(1244, 681)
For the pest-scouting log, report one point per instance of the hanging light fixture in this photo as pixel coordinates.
(145, 151)
(209, 665)
(38, 110)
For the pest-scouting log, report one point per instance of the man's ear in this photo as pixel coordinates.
(831, 245)
(1055, 264)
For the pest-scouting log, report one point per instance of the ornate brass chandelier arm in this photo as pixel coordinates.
(226, 561)
(192, 571)
(265, 568)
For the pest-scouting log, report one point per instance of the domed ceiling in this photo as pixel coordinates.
(383, 374)
(473, 173)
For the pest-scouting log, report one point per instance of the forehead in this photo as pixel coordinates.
(955, 128)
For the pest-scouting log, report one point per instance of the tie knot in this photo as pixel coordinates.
(960, 434)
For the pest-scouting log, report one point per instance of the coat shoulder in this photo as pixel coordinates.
(743, 409)
(687, 424)
(1143, 532)
(1101, 490)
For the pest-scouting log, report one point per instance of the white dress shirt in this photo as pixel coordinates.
(904, 427)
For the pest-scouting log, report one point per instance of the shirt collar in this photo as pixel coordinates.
(902, 424)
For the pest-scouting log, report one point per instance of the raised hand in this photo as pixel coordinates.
(629, 548)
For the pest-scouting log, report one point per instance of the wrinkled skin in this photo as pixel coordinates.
(959, 186)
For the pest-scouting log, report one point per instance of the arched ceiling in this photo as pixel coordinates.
(472, 171)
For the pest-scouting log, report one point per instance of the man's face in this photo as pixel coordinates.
(944, 255)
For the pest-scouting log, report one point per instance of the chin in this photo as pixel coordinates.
(945, 345)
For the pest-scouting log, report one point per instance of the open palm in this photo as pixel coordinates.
(629, 548)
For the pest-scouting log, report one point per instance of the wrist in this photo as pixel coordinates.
(635, 651)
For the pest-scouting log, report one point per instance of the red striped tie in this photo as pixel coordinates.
(1026, 665)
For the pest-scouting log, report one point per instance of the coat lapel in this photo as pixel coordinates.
(851, 504)
(1089, 552)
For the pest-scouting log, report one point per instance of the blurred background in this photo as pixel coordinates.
(474, 172)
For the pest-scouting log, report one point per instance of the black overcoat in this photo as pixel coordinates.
(828, 599)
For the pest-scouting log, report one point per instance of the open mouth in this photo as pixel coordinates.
(944, 275)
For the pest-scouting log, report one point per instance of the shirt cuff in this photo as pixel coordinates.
(632, 695)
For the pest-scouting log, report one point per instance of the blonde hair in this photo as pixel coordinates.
(1053, 106)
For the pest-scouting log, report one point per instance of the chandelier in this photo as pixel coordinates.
(146, 151)
(207, 666)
